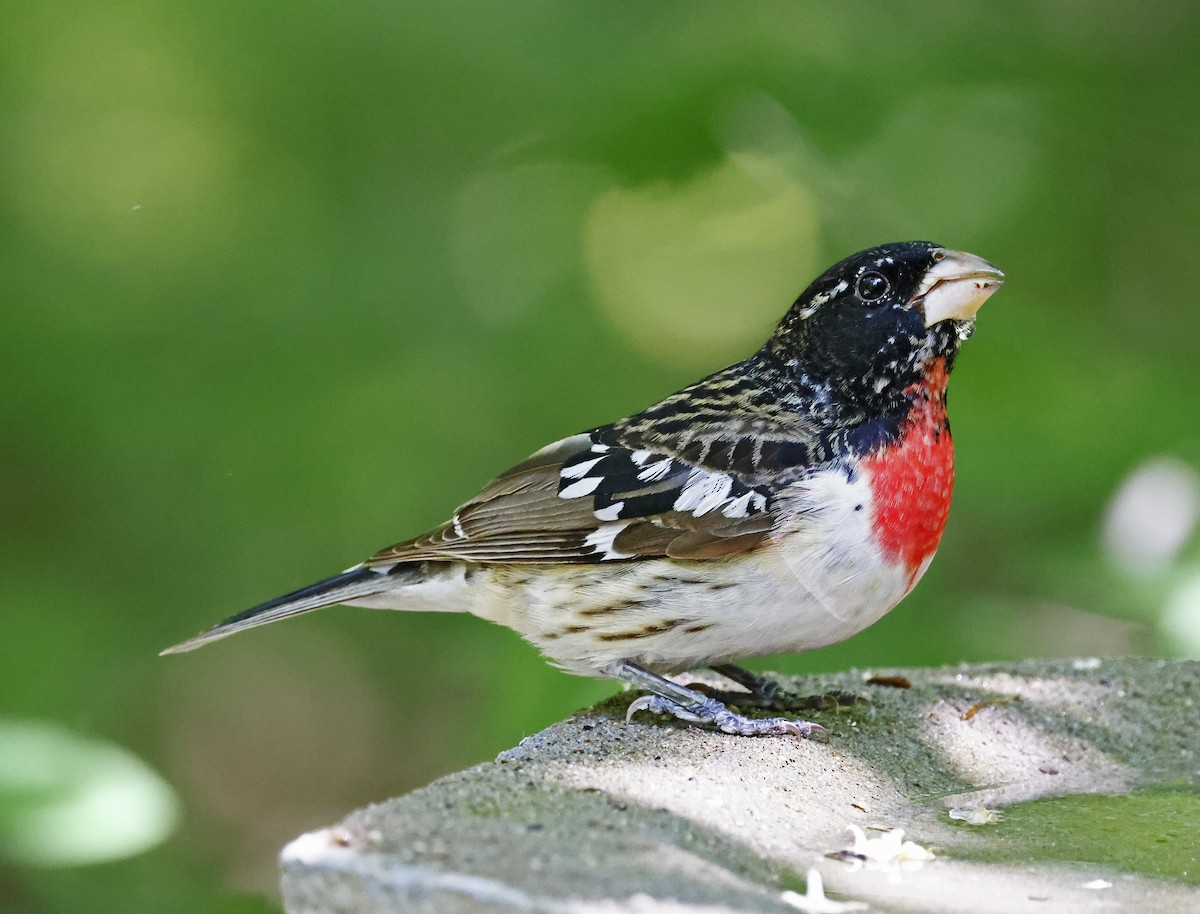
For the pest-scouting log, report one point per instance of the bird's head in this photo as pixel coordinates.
(872, 324)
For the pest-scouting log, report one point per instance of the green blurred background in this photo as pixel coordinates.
(284, 283)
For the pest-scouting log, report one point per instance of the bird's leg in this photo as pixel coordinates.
(694, 707)
(767, 693)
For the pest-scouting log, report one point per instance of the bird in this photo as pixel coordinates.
(781, 504)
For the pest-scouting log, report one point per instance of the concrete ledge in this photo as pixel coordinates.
(595, 814)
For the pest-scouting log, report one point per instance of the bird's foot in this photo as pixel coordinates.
(711, 712)
(667, 697)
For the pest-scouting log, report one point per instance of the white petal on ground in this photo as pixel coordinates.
(814, 901)
(976, 815)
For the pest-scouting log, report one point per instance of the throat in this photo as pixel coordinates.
(912, 477)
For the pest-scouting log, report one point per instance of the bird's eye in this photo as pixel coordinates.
(872, 286)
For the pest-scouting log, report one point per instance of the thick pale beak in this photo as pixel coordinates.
(955, 287)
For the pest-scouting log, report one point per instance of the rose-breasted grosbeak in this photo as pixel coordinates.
(782, 504)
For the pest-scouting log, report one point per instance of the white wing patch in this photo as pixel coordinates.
(703, 492)
(604, 474)
(741, 506)
(655, 471)
(612, 512)
(706, 491)
(601, 542)
(579, 470)
(582, 487)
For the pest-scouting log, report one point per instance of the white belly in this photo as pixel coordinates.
(824, 581)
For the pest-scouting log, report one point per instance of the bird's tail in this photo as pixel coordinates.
(357, 582)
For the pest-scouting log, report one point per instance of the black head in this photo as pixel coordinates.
(869, 326)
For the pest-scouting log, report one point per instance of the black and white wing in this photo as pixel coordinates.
(693, 477)
(583, 500)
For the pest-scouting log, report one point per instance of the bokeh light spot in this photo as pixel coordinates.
(699, 271)
(1151, 516)
(67, 800)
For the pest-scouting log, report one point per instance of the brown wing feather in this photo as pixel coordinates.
(696, 545)
(651, 539)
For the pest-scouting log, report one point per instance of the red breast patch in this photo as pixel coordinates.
(912, 479)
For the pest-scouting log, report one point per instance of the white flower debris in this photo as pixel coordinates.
(889, 848)
(976, 815)
(887, 852)
(1097, 884)
(813, 901)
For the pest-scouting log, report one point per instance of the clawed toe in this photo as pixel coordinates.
(808, 729)
(644, 703)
